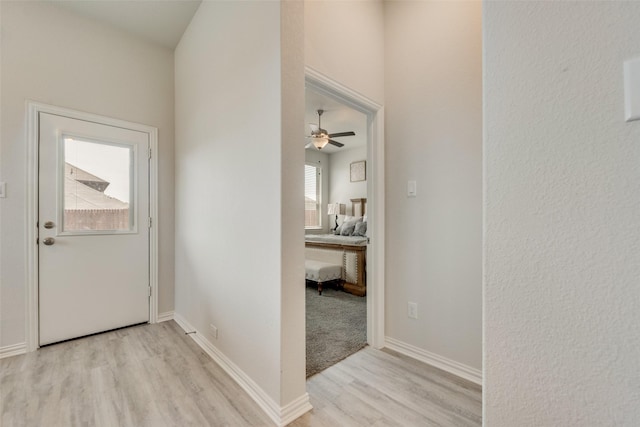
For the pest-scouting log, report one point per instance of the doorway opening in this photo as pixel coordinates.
(351, 195)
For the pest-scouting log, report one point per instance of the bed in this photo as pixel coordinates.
(348, 251)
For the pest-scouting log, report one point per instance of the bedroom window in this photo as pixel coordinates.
(312, 196)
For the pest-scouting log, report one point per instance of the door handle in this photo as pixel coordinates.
(49, 241)
(49, 224)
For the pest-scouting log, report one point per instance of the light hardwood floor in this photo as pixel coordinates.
(384, 388)
(155, 375)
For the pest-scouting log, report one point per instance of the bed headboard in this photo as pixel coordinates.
(359, 206)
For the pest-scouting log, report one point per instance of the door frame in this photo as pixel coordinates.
(33, 153)
(322, 84)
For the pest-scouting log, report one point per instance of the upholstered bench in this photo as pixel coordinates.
(321, 272)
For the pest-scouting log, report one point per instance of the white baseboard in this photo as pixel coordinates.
(281, 416)
(295, 409)
(448, 365)
(13, 350)
(163, 317)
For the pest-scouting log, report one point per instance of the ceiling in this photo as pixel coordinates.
(337, 117)
(159, 21)
(164, 21)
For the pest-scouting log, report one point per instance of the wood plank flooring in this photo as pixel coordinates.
(149, 375)
(155, 375)
(384, 388)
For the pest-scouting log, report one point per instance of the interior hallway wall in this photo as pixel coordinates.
(239, 186)
(344, 40)
(433, 135)
(423, 62)
(53, 56)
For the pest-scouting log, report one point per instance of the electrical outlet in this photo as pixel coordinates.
(214, 331)
(412, 310)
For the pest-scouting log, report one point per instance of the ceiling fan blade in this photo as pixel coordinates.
(335, 135)
(309, 145)
(336, 143)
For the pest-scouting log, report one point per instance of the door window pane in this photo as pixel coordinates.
(97, 186)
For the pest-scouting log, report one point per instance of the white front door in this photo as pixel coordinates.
(93, 215)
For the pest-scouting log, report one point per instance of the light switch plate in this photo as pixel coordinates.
(411, 189)
(632, 89)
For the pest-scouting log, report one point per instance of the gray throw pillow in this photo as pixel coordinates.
(347, 228)
(361, 229)
(348, 223)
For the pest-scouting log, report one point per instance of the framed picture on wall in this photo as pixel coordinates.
(359, 171)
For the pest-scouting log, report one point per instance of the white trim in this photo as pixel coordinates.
(166, 316)
(375, 191)
(456, 368)
(281, 416)
(32, 110)
(295, 410)
(32, 315)
(13, 350)
(153, 231)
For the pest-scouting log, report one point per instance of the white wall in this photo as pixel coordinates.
(55, 57)
(317, 158)
(433, 134)
(344, 41)
(293, 383)
(562, 215)
(423, 61)
(341, 189)
(239, 182)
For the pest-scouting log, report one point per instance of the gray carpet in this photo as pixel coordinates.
(336, 327)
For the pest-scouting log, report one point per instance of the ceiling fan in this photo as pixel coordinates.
(320, 137)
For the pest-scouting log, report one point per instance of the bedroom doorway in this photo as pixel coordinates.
(350, 178)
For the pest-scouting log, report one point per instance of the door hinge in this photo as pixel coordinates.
(149, 223)
(149, 290)
(149, 152)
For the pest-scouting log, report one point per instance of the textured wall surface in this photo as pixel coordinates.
(562, 215)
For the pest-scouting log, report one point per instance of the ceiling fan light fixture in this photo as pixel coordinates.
(321, 137)
(320, 142)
